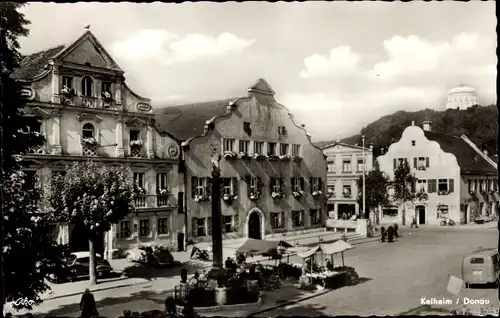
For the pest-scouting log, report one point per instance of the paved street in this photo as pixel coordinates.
(397, 276)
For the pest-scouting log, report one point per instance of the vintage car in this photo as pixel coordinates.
(150, 253)
(78, 267)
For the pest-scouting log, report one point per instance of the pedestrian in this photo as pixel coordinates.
(170, 309)
(88, 305)
(390, 234)
(414, 222)
(382, 233)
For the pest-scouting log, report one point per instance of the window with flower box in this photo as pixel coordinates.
(161, 181)
(284, 149)
(258, 147)
(315, 184)
(275, 185)
(296, 150)
(125, 229)
(398, 162)
(67, 81)
(315, 216)
(254, 185)
(228, 223)
(162, 226)
(144, 228)
(139, 178)
(199, 186)
(230, 186)
(199, 227)
(228, 145)
(298, 218)
(271, 149)
(297, 184)
(244, 146)
(278, 220)
(421, 185)
(106, 86)
(421, 163)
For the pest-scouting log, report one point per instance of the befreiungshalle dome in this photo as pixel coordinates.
(462, 97)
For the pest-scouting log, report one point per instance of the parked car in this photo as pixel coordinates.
(78, 267)
(150, 253)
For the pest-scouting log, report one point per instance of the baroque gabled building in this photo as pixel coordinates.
(461, 182)
(273, 176)
(78, 98)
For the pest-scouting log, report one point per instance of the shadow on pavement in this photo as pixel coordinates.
(483, 286)
(136, 270)
(297, 310)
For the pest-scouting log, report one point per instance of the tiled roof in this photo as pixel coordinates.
(36, 63)
(187, 121)
(468, 159)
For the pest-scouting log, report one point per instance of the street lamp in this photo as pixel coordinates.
(364, 185)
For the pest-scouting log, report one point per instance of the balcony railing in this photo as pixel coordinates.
(154, 201)
(91, 102)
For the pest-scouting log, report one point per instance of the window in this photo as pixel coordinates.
(30, 179)
(247, 128)
(254, 185)
(315, 216)
(125, 229)
(346, 165)
(275, 185)
(283, 149)
(271, 148)
(162, 226)
(421, 185)
(297, 184)
(144, 227)
(331, 189)
(161, 181)
(315, 184)
(199, 186)
(200, 227)
(67, 81)
(482, 185)
(490, 184)
(139, 179)
(134, 134)
(34, 124)
(277, 220)
(360, 165)
(477, 260)
(87, 86)
(258, 147)
(228, 144)
(346, 190)
(88, 131)
(413, 142)
(400, 161)
(331, 166)
(106, 87)
(282, 130)
(443, 185)
(228, 223)
(244, 146)
(390, 212)
(298, 218)
(228, 185)
(471, 186)
(296, 150)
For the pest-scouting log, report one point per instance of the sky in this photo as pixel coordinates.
(336, 65)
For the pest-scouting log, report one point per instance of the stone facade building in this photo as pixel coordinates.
(79, 99)
(461, 181)
(273, 176)
(345, 166)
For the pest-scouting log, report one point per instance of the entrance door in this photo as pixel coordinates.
(254, 226)
(421, 214)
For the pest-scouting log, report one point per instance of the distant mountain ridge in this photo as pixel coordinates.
(478, 123)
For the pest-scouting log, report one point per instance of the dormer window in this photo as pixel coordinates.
(87, 86)
(106, 87)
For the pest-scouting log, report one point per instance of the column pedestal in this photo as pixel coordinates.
(221, 296)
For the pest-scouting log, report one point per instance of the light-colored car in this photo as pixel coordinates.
(150, 253)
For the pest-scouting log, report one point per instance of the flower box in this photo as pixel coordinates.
(284, 157)
(135, 143)
(443, 192)
(276, 195)
(229, 197)
(298, 194)
(272, 157)
(89, 141)
(421, 168)
(198, 198)
(296, 158)
(254, 195)
(347, 195)
(243, 155)
(230, 155)
(67, 92)
(140, 191)
(106, 97)
(316, 193)
(163, 191)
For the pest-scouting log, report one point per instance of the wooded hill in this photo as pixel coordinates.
(478, 123)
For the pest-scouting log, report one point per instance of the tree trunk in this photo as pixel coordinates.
(92, 265)
(404, 214)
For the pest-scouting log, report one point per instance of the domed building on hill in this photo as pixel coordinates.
(461, 97)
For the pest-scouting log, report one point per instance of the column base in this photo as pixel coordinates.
(221, 296)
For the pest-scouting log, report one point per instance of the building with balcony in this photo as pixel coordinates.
(78, 98)
(345, 166)
(461, 182)
(273, 176)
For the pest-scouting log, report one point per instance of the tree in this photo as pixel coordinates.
(376, 191)
(404, 186)
(29, 253)
(94, 196)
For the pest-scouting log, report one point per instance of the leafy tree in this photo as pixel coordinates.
(92, 195)
(29, 252)
(376, 191)
(404, 186)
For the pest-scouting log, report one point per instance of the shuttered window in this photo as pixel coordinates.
(431, 185)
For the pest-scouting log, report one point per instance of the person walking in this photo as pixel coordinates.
(414, 222)
(88, 305)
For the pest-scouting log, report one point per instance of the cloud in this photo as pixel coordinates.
(169, 48)
(341, 61)
(413, 56)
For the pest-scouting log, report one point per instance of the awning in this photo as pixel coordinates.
(309, 252)
(336, 247)
(258, 247)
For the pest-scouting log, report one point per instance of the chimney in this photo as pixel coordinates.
(427, 125)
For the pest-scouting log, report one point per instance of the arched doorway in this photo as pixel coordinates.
(420, 214)
(79, 240)
(254, 225)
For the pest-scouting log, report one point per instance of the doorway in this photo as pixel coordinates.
(421, 214)
(254, 226)
(346, 211)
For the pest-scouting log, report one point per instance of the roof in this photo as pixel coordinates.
(35, 64)
(469, 160)
(187, 121)
(345, 145)
(483, 252)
